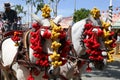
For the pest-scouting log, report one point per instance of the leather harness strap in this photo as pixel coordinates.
(26, 43)
(70, 37)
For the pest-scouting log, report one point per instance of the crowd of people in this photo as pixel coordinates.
(9, 19)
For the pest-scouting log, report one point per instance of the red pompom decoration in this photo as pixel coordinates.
(88, 68)
(46, 34)
(30, 77)
(62, 35)
(35, 25)
(45, 76)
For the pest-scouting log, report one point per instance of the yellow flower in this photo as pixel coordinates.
(95, 13)
(110, 58)
(105, 25)
(108, 42)
(55, 56)
(57, 63)
(106, 33)
(55, 45)
(46, 11)
(54, 35)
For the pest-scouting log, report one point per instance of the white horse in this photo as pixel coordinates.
(71, 70)
(9, 52)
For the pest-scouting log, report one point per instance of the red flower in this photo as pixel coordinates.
(88, 26)
(100, 32)
(30, 77)
(45, 76)
(35, 25)
(36, 72)
(88, 69)
(62, 35)
(46, 34)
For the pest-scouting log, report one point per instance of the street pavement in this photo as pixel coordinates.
(111, 72)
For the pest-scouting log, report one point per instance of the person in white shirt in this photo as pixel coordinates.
(19, 23)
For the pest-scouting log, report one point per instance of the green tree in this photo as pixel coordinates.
(19, 9)
(39, 4)
(80, 14)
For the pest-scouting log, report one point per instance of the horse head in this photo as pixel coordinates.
(46, 31)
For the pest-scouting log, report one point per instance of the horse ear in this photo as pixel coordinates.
(36, 18)
(58, 19)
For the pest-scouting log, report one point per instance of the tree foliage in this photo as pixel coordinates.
(80, 14)
(19, 9)
(40, 3)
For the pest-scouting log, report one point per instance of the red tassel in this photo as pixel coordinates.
(30, 77)
(62, 35)
(100, 32)
(111, 33)
(88, 26)
(36, 72)
(46, 34)
(45, 76)
(35, 25)
(88, 68)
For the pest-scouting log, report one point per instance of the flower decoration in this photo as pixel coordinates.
(16, 37)
(88, 69)
(46, 11)
(108, 40)
(94, 51)
(95, 13)
(42, 58)
(55, 57)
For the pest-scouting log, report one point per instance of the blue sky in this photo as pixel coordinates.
(66, 7)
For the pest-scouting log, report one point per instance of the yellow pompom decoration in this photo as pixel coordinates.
(95, 13)
(105, 25)
(110, 58)
(46, 11)
(107, 41)
(55, 44)
(16, 43)
(54, 35)
(56, 63)
(55, 56)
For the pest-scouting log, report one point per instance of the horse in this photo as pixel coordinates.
(74, 62)
(74, 69)
(10, 53)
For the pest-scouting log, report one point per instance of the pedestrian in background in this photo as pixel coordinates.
(19, 23)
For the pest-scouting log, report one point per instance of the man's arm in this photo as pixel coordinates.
(4, 16)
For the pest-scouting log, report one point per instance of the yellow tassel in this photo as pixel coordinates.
(110, 58)
(17, 44)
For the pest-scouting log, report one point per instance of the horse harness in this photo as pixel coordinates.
(22, 55)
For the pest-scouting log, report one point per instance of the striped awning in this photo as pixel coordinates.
(116, 25)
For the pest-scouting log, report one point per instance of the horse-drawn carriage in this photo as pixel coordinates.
(48, 52)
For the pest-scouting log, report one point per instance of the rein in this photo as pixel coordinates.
(70, 37)
(72, 47)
